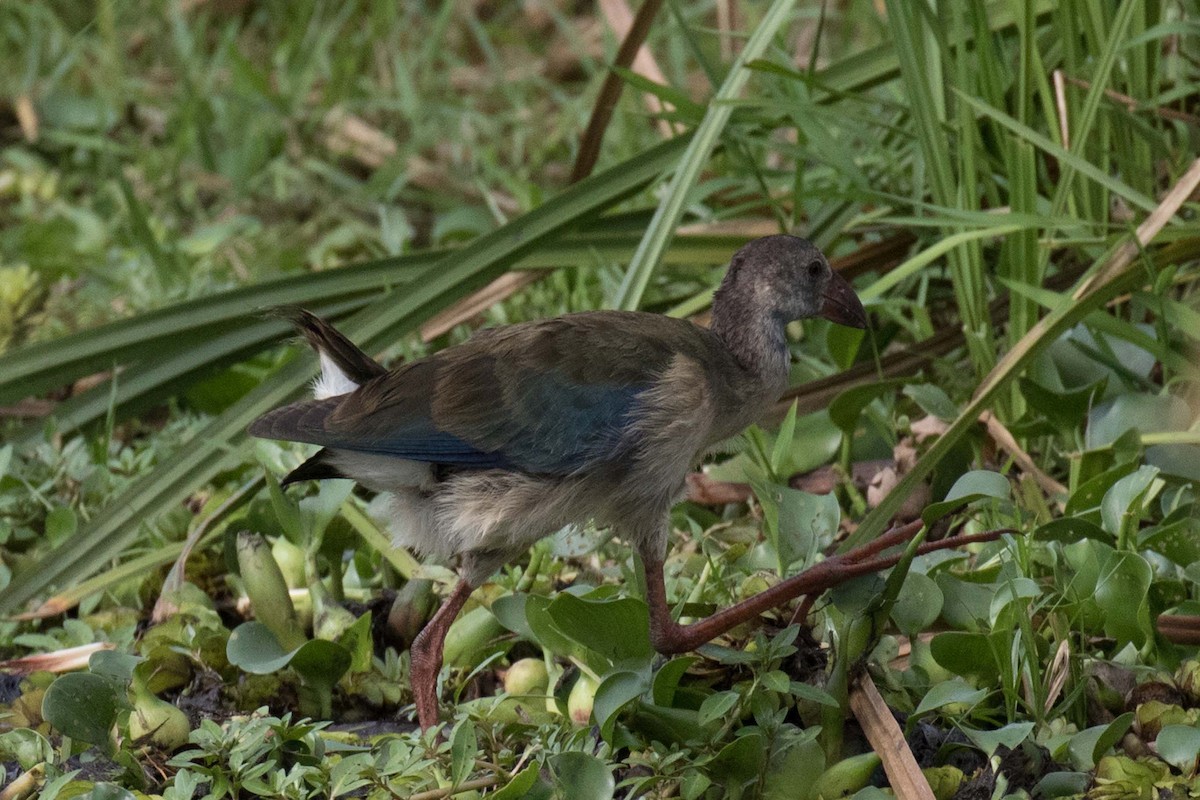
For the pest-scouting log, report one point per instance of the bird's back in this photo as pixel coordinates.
(550, 397)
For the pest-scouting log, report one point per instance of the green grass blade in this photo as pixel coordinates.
(670, 210)
(1116, 273)
(219, 445)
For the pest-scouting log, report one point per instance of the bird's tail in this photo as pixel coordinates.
(344, 367)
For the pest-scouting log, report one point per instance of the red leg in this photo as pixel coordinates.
(426, 655)
(669, 637)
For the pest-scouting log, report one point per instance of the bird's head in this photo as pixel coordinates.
(788, 277)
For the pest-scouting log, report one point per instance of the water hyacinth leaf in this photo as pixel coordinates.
(977, 484)
(1065, 409)
(27, 747)
(933, 400)
(1085, 500)
(1087, 746)
(964, 653)
(951, 692)
(356, 640)
(739, 762)
(616, 628)
(116, 666)
(580, 776)
(667, 678)
(317, 511)
(321, 662)
(616, 691)
(918, 604)
(254, 649)
(83, 706)
(522, 786)
(798, 766)
(1068, 530)
(1063, 784)
(966, 603)
(1009, 592)
(509, 611)
(1179, 746)
(1179, 541)
(804, 520)
(546, 633)
(1009, 736)
(847, 407)
(1122, 502)
(1135, 411)
(1122, 597)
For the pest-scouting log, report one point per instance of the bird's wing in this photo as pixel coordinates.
(549, 397)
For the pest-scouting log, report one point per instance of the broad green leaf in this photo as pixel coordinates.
(667, 678)
(1122, 502)
(1010, 591)
(918, 604)
(617, 690)
(1179, 746)
(1121, 595)
(116, 666)
(1090, 744)
(739, 762)
(798, 766)
(966, 604)
(617, 628)
(947, 693)
(1071, 529)
(580, 776)
(975, 485)
(847, 407)
(1009, 736)
(932, 400)
(82, 706)
(964, 653)
(805, 519)
(1178, 541)
(253, 648)
(520, 786)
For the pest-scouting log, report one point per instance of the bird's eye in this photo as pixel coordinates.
(814, 269)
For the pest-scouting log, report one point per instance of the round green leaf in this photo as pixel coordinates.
(975, 485)
(919, 603)
(740, 761)
(321, 662)
(1179, 746)
(253, 648)
(82, 706)
(944, 694)
(614, 693)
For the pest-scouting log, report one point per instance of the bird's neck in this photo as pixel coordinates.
(758, 341)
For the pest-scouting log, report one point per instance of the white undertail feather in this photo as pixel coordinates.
(332, 382)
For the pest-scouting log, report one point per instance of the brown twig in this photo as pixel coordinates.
(887, 740)
(610, 91)
(1008, 443)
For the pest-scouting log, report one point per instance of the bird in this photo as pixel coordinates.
(485, 447)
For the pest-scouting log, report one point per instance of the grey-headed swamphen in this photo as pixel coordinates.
(488, 446)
